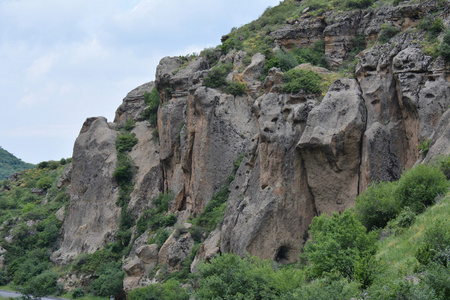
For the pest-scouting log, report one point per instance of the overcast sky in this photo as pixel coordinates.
(64, 61)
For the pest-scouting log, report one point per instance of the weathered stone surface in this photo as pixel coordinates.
(330, 146)
(92, 214)
(270, 206)
(303, 33)
(440, 140)
(175, 250)
(148, 253)
(61, 213)
(134, 268)
(65, 177)
(147, 179)
(208, 249)
(133, 104)
(200, 138)
(254, 71)
(338, 37)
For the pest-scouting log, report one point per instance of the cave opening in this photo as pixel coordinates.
(282, 256)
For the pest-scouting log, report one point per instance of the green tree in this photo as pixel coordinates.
(109, 281)
(338, 242)
(376, 206)
(418, 187)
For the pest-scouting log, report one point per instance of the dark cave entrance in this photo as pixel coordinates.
(282, 256)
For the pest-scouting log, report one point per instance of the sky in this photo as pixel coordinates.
(64, 61)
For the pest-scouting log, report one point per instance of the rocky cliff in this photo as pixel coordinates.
(304, 154)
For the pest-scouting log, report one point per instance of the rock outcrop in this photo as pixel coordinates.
(93, 215)
(304, 154)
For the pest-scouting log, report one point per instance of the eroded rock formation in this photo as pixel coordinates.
(303, 155)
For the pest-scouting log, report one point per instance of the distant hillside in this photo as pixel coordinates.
(10, 164)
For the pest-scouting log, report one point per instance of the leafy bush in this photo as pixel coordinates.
(235, 88)
(282, 59)
(160, 237)
(405, 219)
(217, 75)
(334, 287)
(78, 293)
(125, 169)
(433, 27)
(315, 54)
(125, 142)
(211, 55)
(109, 281)
(376, 206)
(338, 242)
(129, 125)
(151, 112)
(36, 262)
(418, 187)
(4, 278)
(170, 290)
(43, 284)
(424, 147)
(443, 163)
(230, 277)
(435, 244)
(214, 210)
(44, 183)
(437, 278)
(387, 32)
(89, 263)
(297, 80)
(444, 46)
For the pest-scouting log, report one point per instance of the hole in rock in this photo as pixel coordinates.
(282, 256)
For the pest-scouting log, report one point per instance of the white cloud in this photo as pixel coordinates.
(46, 131)
(41, 66)
(64, 61)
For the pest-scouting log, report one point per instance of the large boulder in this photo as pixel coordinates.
(93, 216)
(331, 145)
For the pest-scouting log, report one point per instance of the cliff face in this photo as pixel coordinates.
(303, 157)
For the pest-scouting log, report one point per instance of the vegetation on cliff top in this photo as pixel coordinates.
(10, 164)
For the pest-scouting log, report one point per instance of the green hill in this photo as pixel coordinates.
(10, 164)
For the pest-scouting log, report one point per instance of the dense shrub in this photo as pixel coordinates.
(333, 287)
(44, 183)
(230, 277)
(418, 187)
(217, 75)
(4, 278)
(314, 54)
(89, 263)
(125, 169)
(151, 112)
(282, 59)
(437, 278)
(78, 293)
(297, 80)
(435, 243)
(387, 32)
(43, 284)
(214, 210)
(170, 290)
(235, 88)
(109, 281)
(125, 142)
(443, 163)
(376, 206)
(160, 237)
(444, 47)
(433, 27)
(211, 55)
(338, 242)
